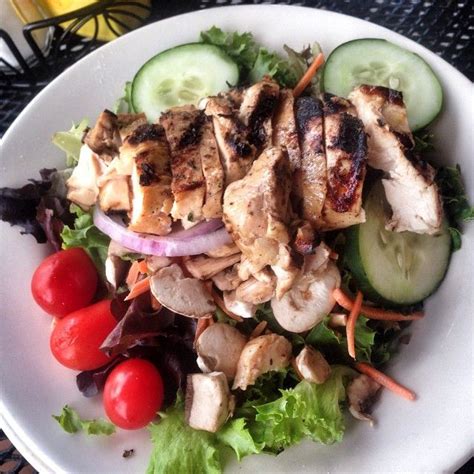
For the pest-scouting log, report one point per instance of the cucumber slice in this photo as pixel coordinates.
(378, 62)
(395, 268)
(182, 75)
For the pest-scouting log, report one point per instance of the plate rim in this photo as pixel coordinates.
(15, 432)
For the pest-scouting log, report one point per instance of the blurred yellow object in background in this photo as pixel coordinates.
(60, 7)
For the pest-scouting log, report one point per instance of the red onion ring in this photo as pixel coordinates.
(198, 239)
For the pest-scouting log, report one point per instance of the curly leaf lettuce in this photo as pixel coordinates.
(177, 448)
(334, 344)
(86, 235)
(305, 411)
(253, 60)
(71, 141)
(70, 421)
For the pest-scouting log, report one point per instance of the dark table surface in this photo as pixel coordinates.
(443, 26)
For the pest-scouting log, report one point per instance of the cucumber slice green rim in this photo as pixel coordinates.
(381, 63)
(182, 75)
(394, 268)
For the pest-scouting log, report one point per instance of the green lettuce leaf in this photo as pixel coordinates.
(177, 448)
(71, 141)
(334, 344)
(307, 410)
(254, 60)
(86, 235)
(455, 201)
(236, 435)
(70, 421)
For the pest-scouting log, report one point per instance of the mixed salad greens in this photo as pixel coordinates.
(282, 407)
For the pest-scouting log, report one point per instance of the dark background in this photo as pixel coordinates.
(445, 27)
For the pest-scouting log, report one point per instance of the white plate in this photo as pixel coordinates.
(433, 434)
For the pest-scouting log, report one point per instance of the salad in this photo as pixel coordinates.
(242, 244)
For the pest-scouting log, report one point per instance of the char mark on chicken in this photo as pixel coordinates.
(183, 126)
(346, 155)
(310, 179)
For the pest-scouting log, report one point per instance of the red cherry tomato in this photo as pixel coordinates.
(133, 394)
(64, 282)
(76, 338)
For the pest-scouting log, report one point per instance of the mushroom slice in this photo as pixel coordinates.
(209, 402)
(155, 263)
(219, 348)
(240, 308)
(362, 393)
(310, 299)
(255, 291)
(203, 267)
(312, 366)
(186, 296)
(227, 280)
(224, 250)
(261, 355)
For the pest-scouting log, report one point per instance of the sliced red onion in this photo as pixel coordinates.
(192, 242)
(204, 227)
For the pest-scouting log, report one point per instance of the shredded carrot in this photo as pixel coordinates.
(308, 75)
(139, 288)
(132, 274)
(143, 267)
(333, 255)
(351, 323)
(374, 313)
(385, 380)
(155, 304)
(259, 328)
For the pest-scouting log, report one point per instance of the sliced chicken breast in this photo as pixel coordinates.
(235, 151)
(310, 179)
(183, 127)
(256, 112)
(114, 194)
(409, 182)
(285, 133)
(147, 149)
(256, 214)
(104, 138)
(82, 187)
(346, 157)
(127, 123)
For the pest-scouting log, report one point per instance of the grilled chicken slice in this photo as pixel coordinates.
(114, 195)
(409, 184)
(259, 356)
(256, 212)
(183, 127)
(256, 112)
(147, 150)
(212, 170)
(346, 157)
(285, 133)
(236, 153)
(127, 123)
(104, 139)
(82, 187)
(310, 179)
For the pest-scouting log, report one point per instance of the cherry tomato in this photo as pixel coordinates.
(64, 282)
(76, 338)
(133, 394)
